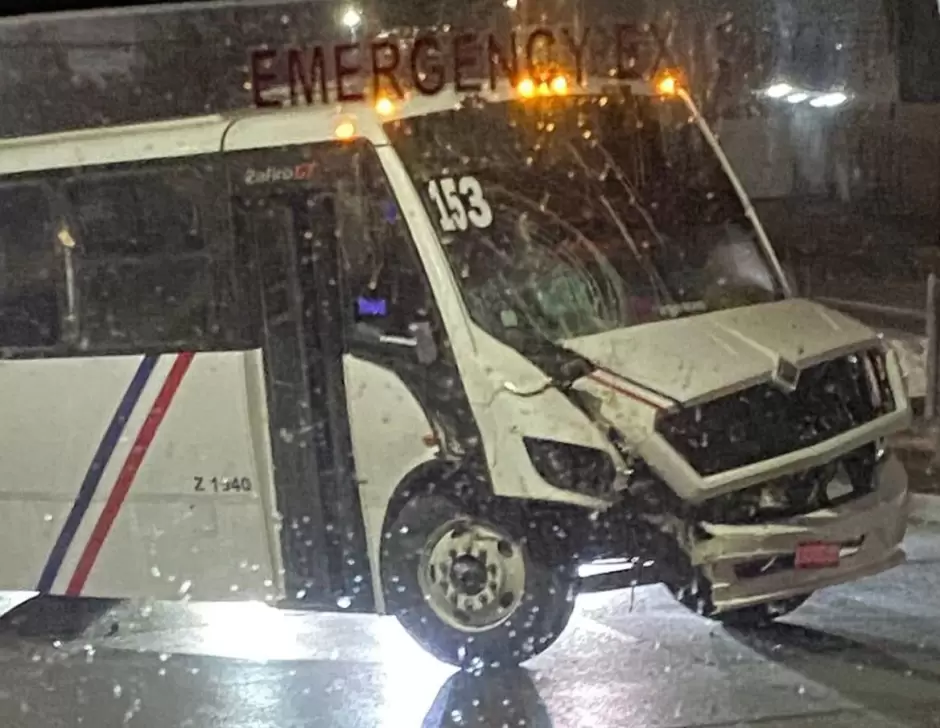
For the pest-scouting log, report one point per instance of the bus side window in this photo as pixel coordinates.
(143, 265)
(386, 287)
(29, 269)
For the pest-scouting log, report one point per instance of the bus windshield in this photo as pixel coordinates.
(567, 216)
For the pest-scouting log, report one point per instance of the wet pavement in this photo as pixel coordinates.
(867, 654)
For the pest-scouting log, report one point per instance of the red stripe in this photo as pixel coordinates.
(128, 472)
(625, 392)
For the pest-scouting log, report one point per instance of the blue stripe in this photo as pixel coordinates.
(93, 477)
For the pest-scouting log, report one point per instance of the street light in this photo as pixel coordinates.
(778, 90)
(797, 98)
(352, 18)
(829, 101)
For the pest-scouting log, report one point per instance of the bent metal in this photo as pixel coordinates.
(431, 60)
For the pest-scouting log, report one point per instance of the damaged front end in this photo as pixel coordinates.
(796, 534)
(766, 494)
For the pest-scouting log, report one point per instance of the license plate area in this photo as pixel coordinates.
(817, 555)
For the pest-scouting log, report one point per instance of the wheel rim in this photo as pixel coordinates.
(472, 575)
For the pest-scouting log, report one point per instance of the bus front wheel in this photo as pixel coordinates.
(471, 590)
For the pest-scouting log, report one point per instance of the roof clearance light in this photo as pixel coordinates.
(798, 98)
(65, 237)
(778, 90)
(560, 85)
(345, 130)
(526, 88)
(384, 106)
(667, 85)
(829, 101)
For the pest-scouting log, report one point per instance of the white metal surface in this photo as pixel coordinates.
(253, 129)
(700, 358)
(159, 140)
(167, 537)
(696, 358)
(389, 430)
(880, 519)
(486, 366)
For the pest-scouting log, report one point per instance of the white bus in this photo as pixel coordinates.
(427, 362)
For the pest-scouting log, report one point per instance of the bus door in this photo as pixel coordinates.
(365, 398)
(287, 240)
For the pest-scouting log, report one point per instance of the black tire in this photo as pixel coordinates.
(546, 603)
(694, 593)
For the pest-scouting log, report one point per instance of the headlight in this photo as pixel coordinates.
(572, 467)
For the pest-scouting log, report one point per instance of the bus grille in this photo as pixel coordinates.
(764, 421)
(796, 494)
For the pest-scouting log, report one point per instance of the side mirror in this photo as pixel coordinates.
(425, 346)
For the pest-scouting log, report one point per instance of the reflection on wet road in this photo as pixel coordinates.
(863, 655)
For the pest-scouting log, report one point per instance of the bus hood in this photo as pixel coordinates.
(698, 358)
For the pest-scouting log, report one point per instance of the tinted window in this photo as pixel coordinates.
(384, 278)
(29, 314)
(384, 287)
(139, 213)
(144, 268)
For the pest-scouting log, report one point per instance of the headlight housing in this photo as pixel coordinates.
(576, 468)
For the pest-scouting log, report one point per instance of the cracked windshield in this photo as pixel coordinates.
(498, 363)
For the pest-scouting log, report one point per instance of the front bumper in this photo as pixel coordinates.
(752, 564)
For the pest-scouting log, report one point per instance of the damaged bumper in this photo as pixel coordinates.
(751, 564)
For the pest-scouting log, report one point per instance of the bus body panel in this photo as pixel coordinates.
(259, 422)
(691, 360)
(304, 125)
(380, 402)
(869, 532)
(132, 474)
(154, 518)
(480, 361)
(133, 143)
(541, 413)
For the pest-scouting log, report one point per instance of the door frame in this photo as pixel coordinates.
(322, 529)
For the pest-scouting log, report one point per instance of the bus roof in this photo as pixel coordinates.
(243, 130)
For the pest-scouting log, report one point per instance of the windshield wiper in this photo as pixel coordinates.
(563, 366)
